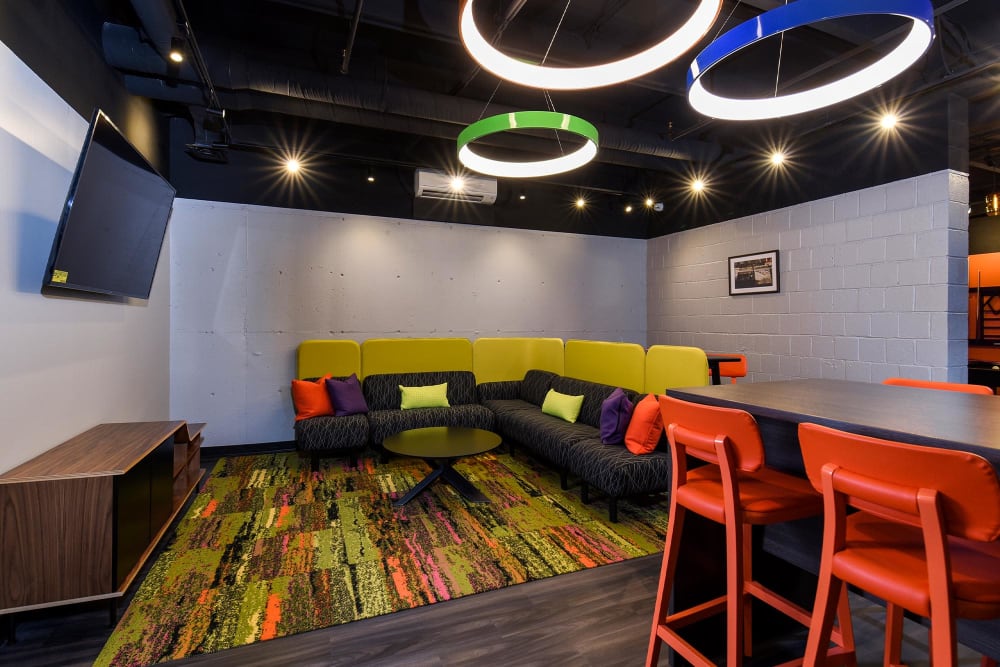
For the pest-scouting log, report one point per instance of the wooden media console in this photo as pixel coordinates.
(78, 522)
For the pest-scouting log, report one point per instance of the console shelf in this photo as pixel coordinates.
(78, 522)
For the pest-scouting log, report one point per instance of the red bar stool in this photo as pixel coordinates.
(737, 490)
(924, 538)
(946, 386)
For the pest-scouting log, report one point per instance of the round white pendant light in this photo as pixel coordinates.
(795, 15)
(595, 76)
(528, 120)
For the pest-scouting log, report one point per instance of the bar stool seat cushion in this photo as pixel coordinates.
(766, 496)
(886, 558)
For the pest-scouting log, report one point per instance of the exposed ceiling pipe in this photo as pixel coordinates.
(350, 37)
(159, 20)
(235, 73)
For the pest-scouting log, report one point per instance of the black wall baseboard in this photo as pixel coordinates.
(215, 453)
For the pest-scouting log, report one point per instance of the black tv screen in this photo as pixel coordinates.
(114, 220)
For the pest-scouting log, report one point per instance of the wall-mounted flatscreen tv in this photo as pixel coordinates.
(114, 220)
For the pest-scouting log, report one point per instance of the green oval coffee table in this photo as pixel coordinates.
(441, 446)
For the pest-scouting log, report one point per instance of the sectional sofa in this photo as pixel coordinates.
(510, 406)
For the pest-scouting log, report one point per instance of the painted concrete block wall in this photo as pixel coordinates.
(249, 283)
(68, 363)
(873, 285)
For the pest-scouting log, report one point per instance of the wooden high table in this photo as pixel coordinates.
(952, 420)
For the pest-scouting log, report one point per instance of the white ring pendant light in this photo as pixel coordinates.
(795, 15)
(595, 76)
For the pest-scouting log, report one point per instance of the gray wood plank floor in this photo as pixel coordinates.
(596, 617)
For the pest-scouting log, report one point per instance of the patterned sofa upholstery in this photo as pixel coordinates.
(577, 447)
(385, 417)
(324, 435)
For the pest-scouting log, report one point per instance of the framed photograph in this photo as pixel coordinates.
(754, 274)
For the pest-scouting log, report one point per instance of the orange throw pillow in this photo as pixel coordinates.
(311, 399)
(645, 427)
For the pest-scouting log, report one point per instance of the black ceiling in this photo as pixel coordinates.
(388, 84)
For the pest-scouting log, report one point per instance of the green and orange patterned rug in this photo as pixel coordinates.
(270, 549)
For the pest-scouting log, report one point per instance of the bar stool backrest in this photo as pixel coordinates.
(946, 386)
(888, 479)
(696, 428)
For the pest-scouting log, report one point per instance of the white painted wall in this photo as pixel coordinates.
(66, 363)
(249, 283)
(873, 284)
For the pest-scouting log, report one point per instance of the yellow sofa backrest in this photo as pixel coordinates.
(616, 364)
(316, 358)
(669, 366)
(496, 359)
(415, 355)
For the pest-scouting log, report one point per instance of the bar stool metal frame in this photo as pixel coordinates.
(926, 536)
(738, 490)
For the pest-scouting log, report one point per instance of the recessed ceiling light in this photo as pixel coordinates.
(649, 202)
(628, 208)
(580, 202)
(889, 121)
(176, 56)
(371, 175)
(698, 185)
(293, 166)
(522, 196)
(777, 158)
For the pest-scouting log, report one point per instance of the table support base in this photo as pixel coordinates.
(442, 468)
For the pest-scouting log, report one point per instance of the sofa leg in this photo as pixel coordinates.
(353, 460)
(563, 479)
(613, 509)
(584, 493)
(314, 460)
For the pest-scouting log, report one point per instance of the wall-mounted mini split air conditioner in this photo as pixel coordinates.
(433, 184)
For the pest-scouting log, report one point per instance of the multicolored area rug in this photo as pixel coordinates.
(270, 549)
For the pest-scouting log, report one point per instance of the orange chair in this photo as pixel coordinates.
(947, 386)
(735, 489)
(733, 369)
(924, 538)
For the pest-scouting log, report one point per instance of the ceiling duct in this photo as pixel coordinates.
(253, 84)
(432, 184)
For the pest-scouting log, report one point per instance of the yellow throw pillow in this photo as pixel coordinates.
(563, 406)
(431, 396)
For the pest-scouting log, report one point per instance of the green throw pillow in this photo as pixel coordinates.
(431, 396)
(563, 406)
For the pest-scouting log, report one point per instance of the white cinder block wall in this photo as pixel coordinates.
(874, 284)
(249, 283)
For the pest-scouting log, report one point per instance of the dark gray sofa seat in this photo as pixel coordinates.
(325, 435)
(385, 418)
(577, 448)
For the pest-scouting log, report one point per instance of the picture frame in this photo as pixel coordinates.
(754, 274)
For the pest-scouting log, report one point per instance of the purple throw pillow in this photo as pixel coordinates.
(346, 396)
(616, 412)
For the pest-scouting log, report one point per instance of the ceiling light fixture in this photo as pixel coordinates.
(889, 121)
(528, 120)
(293, 166)
(795, 15)
(595, 76)
(457, 184)
(777, 158)
(649, 202)
(580, 202)
(993, 204)
(522, 196)
(371, 175)
(628, 208)
(698, 185)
